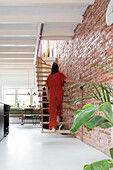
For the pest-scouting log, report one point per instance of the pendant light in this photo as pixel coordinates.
(28, 85)
(34, 94)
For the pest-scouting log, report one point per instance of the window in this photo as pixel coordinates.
(19, 97)
(9, 99)
(9, 91)
(23, 91)
(35, 101)
(24, 100)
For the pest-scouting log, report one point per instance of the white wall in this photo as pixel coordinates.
(16, 82)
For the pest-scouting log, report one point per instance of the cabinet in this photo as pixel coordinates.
(1, 121)
(4, 120)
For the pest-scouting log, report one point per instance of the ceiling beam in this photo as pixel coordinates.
(16, 46)
(49, 2)
(27, 69)
(16, 53)
(8, 61)
(41, 19)
(58, 32)
(19, 66)
(16, 56)
(16, 69)
(18, 32)
(17, 50)
(16, 73)
(18, 37)
(57, 38)
(17, 42)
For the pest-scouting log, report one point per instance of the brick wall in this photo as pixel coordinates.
(92, 43)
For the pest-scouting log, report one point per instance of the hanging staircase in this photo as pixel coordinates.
(43, 69)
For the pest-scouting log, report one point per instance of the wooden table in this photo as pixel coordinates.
(22, 113)
(34, 114)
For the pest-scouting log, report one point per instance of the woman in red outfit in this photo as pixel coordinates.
(55, 94)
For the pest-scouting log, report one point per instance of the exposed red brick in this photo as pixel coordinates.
(92, 43)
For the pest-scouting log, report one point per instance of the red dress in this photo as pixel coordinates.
(55, 83)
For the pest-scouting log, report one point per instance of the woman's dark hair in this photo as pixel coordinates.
(54, 68)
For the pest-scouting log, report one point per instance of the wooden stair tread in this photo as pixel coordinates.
(40, 58)
(47, 101)
(42, 90)
(42, 67)
(41, 85)
(40, 63)
(62, 108)
(46, 95)
(42, 95)
(59, 123)
(57, 131)
(41, 80)
(42, 76)
(43, 72)
(45, 115)
(44, 64)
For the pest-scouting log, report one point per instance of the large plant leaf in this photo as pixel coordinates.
(79, 99)
(93, 92)
(88, 111)
(85, 83)
(89, 94)
(98, 92)
(110, 70)
(108, 95)
(77, 113)
(111, 152)
(98, 121)
(106, 125)
(87, 106)
(82, 117)
(100, 165)
(107, 109)
(109, 87)
(103, 91)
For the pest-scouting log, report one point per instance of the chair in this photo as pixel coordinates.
(36, 114)
(28, 114)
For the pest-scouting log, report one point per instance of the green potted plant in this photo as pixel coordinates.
(17, 104)
(86, 117)
(23, 104)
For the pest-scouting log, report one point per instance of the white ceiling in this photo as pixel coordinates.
(24, 22)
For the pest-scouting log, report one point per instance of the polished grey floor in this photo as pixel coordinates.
(26, 148)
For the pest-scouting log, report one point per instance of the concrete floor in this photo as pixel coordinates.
(25, 148)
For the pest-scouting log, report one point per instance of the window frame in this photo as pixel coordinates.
(17, 94)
